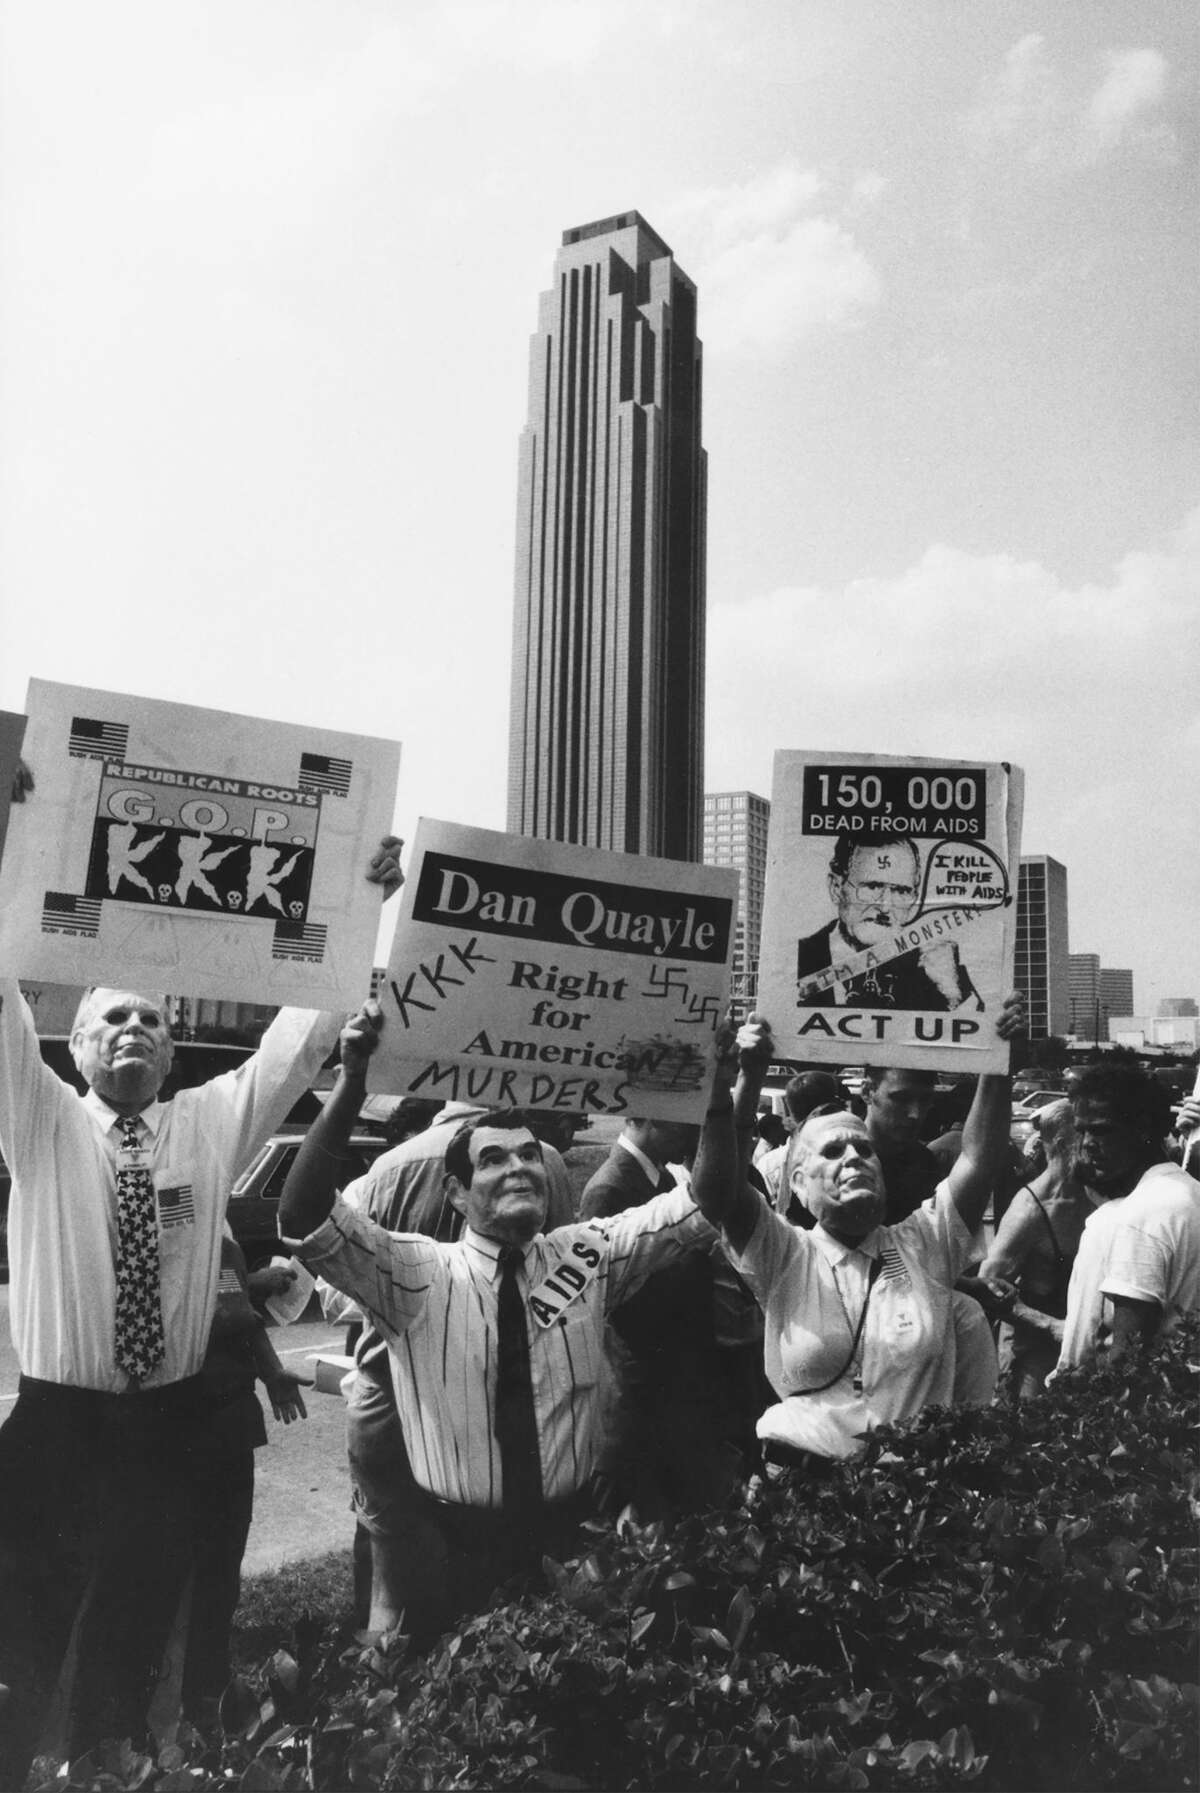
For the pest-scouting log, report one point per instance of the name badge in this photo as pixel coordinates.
(133, 1158)
(575, 1270)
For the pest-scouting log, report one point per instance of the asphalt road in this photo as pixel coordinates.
(302, 1487)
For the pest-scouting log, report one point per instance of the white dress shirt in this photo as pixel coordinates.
(436, 1306)
(62, 1227)
(812, 1288)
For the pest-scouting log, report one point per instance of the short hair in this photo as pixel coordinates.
(808, 1090)
(1132, 1097)
(85, 1002)
(458, 1152)
(847, 845)
(1055, 1126)
(873, 1075)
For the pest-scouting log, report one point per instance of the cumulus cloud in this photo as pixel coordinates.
(987, 657)
(1056, 117)
(773, 261)
(1135, 84)
(960, 654)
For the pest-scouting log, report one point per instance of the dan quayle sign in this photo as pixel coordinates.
(529, 973)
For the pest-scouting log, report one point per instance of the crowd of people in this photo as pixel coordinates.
(720, 1303)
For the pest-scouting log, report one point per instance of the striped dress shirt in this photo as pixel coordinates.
(435, 1304)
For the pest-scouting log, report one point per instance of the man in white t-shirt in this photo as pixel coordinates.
(1138, 1266)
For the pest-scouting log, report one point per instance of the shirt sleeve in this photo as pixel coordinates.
(641, 1239)
(239, 1110)
(31, 1096)
(766, 1252)
(940, 1237)
(1138, 1267)
(389, 1275)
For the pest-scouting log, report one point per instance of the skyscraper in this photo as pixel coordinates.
(1084, 977)
(1041, 958)
(606, 733)
(1116, 993)
(735, 833)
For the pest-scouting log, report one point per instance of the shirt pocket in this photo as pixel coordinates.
(175, 1199)
(575, 1348)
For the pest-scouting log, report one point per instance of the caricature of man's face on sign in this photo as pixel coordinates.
(876, 893)
(874, 890)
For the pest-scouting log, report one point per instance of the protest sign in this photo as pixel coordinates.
(189, 851)
(12, 728)
(529, 973)
(889, 915)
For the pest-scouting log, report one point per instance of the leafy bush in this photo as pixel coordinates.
(994, 1599)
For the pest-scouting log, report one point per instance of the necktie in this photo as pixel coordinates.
(140, 1347)
(516, 1426)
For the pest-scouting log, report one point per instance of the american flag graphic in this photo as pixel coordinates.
(319, 773)
(177, 1206)
(77, 914)
(93, 740)
(299, 940)
(891, 1267)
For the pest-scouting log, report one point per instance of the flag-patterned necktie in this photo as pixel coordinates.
(516, 1423)
(140, 1346)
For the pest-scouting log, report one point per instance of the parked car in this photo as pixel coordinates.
(1038, 1098)
(254, 1200)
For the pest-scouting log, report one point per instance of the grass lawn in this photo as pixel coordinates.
(271, 1603)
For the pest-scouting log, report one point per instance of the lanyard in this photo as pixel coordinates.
(819, 1389)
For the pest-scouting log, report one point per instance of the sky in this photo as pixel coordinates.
(269, 274)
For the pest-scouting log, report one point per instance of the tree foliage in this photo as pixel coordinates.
(997, 1599)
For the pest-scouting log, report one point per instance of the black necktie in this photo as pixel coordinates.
(139, 1328)
(516, 1426)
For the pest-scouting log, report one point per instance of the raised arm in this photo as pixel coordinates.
(719, 1186)
(986, 1130)
(316, 1176)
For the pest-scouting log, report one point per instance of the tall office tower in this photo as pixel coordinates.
(1083, 974)
(1041, 958)
(1116, 995)
(606, 732)
(735, 833)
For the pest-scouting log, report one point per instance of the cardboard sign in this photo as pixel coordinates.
(194, 852)
(889, 916)
(12, 730)
(532, 974)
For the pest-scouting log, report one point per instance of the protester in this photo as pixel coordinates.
(771, 1132)
(1138, 1265)
(395, 1553)
(805, 1092)
(668, 1445)
(220, 1464)
(115, 1229)
(495, 1339)
(858, 1314)
(1033, 1251)
(898, 1101)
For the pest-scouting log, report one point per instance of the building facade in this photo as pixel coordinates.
(1115, 993)
(1178, 1005)
(606, 731)
(1083, 973)
(735, 833)
(1042, 955)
